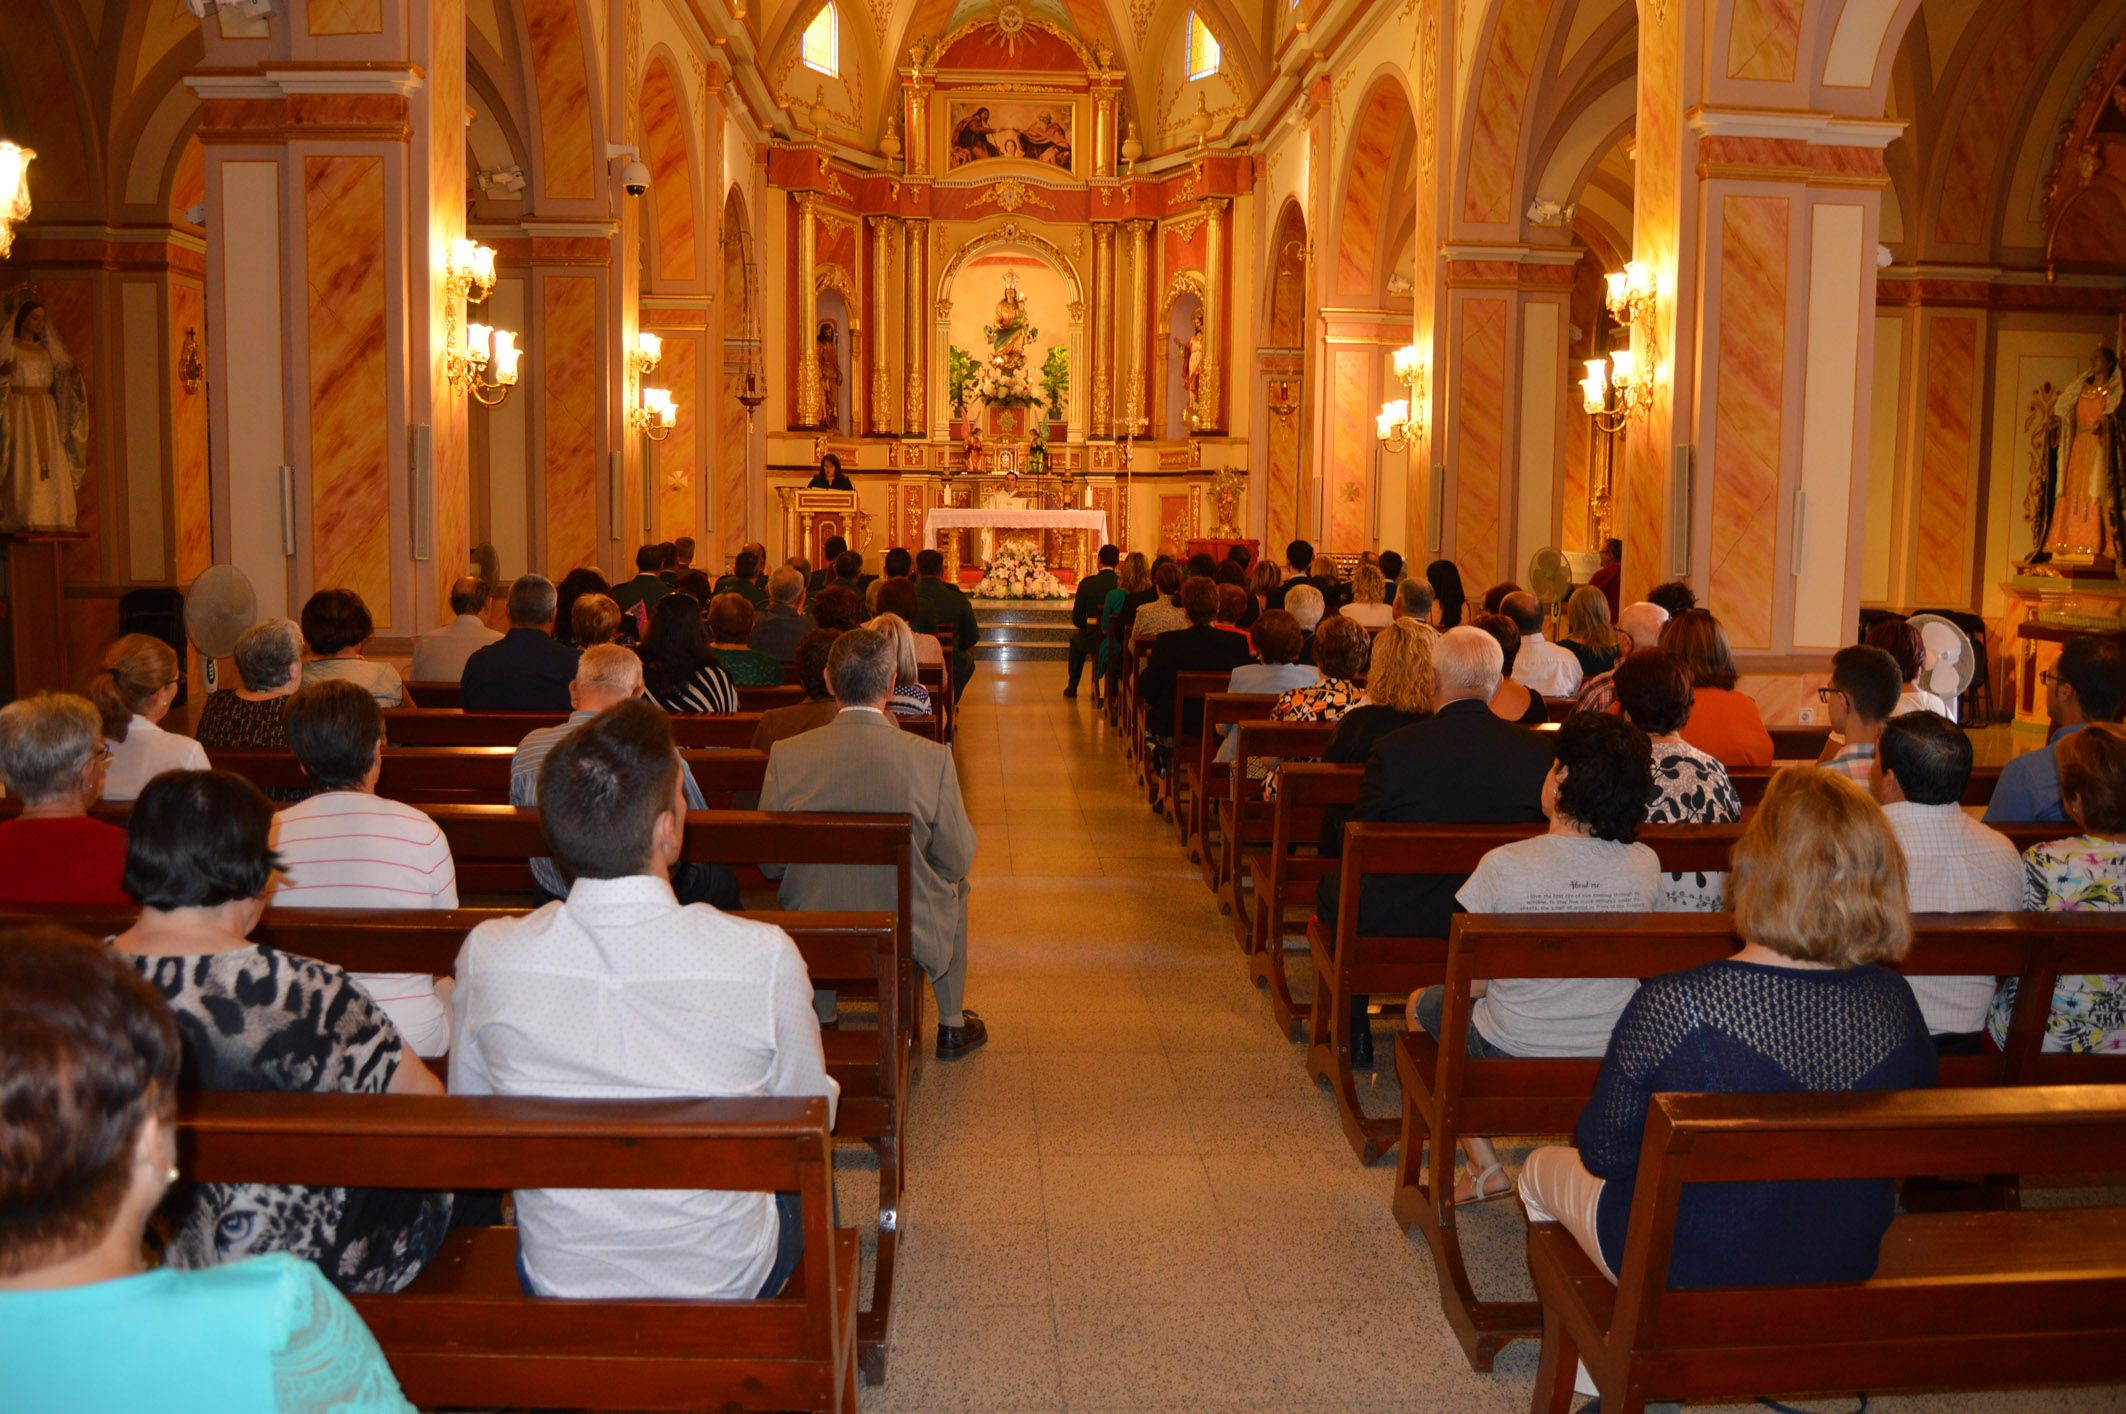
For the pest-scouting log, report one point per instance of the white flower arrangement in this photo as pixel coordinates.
(1007, 387)
(1020, 572)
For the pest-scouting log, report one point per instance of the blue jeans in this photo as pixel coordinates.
(789, 1249)
(1432, 1006)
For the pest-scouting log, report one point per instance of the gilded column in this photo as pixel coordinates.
(915, 274)
(1139, 308)
(881, 361)
(917, 91)
(1209, 402)
(1103, 330)
(807, 310)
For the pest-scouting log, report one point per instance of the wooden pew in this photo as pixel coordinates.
(466, 1333)
(1209, 781)
(697, 731)
(1798, 743)
(1352, 963)
(1187, 745)
(1958, 1300)
(1246, 821)
(937, 681)
(1448, 1094)
(1136, 724)
(1751, 781)
(475, 775)
(767, 699)
(432, 694)
(1285, 877)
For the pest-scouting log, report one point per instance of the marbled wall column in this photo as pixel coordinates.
(335, 185)
(1757, 214)
(1103, 323)
(571, 385)
(1210, 396)
(1136, 332)
(808, 391)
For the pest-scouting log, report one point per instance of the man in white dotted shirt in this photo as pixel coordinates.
(618, 991)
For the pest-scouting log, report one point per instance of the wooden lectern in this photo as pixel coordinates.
(821, 514)
(36, 611)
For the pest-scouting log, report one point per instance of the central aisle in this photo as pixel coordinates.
(1133, 1197)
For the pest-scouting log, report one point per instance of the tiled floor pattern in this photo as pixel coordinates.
(1134, 1198)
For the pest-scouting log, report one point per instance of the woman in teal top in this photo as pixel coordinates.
(88, 1076)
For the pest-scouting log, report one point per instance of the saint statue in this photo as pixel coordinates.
(826, 349)
(44, 423)
(2076, 511)
(1192, 365)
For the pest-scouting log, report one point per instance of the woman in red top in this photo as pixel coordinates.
(1723, 723)
(53, 756)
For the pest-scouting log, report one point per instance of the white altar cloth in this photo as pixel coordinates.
(940, 519)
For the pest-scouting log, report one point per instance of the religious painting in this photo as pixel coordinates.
(1041, 130)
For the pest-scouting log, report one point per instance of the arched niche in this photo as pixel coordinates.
(964, 305)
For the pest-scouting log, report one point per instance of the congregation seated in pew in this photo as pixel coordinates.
(199, 861)
(1514, 701)
(1199, 647)
(691, 1001)
(133, 692)
(782, 624)
(819, 707)
(53, 758)
(680, 669)
(250, 716)
(576, 585)
(607, 676)
(1638, 628)
(347, 847)
(91, 1058)
(730, 618)
(2084, 871)
(910, 698)
(1806, 1004)
(2087, 684)
(1953, 863)
(1724, 723)
(1653, 689)
(439, 655)
(336, 624)
(1589, 862)
(1861, 696)
(527, 669)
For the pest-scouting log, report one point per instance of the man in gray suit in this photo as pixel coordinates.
(778, 628)
(439, 655)
(862, 761)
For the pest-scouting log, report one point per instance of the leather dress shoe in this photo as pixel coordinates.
(957, 1041)
(1362, 1046)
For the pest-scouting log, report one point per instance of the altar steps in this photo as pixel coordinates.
(1023, 630)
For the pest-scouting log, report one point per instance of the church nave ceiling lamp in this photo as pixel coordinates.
(1402, 422)
(484, 360)
(14, 190)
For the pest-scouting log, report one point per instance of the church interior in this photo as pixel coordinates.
(1811, 305)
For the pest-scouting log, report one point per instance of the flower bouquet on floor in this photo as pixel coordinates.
(1020, 572)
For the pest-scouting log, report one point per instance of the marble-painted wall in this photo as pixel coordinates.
(1947, 459)
(561, 72)
(677, 458)
(1495, 134)
(345, 289)
(1479, 396)
(572, 400)
(1352, 449)
(1748, 404)
(191, 503)
(1763, 39)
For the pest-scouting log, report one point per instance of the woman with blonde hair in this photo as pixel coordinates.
(1807, 1004)
(910, 698)
(1589, 636)
(594, 619)
(1369, 598)
(132, 692)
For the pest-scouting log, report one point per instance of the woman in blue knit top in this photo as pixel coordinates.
(1818, 889)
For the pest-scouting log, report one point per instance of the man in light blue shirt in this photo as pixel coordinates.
(2086, 685)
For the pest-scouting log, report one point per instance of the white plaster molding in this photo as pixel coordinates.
(1519, 254)
(1815, 129)
(279, 83)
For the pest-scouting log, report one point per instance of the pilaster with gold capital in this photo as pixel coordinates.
(807, 309)
(916, 325)
(1209, 409)
(880, 348)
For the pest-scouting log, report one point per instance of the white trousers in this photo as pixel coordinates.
(1556, 1187)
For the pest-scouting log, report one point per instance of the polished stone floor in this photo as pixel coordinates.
(1134, 1198)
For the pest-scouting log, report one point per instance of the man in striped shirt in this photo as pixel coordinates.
(346, 847)
(1863, 693)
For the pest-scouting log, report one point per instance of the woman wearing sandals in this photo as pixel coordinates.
(1595, 796)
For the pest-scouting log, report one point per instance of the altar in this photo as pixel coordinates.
(1090, 527)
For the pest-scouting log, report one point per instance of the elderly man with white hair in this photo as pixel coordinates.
(607, 676)
(53, 756)
(1639, 626)
(782, 625)
(1461, 766)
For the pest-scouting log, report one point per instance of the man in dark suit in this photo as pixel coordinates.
(849, 572)
(941, 604)
(832, 549)
(1202, 647)
(1298, 559)
(1085, 609)
(526, 670)
(830, 476)
(1462, 766)
(744, 579)
(779, 628)
(648, 585)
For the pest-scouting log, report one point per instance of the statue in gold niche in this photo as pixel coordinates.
(2077, 518)
(827, 349)
(44, 421)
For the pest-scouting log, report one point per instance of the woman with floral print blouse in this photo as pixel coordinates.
(1690, 787)
(1342, 650)
(2087, 871)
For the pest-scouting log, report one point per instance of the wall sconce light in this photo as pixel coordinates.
(648, 351)
(656, 417)
(1281, 403)
(484, 361)
(14, 191)
(191, 371)
(1621, 387)
(1630, 293)
(1402, 422)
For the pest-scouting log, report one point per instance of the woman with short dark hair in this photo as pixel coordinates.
(89, 1067)
(1653, 688)
(1512, 702)
(336, 624)
(679, 669)
(269, 662)
(198, 859)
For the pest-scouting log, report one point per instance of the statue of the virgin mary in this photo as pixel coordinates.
(44, 421)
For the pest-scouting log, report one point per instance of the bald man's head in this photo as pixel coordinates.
(1525, 610)
(468, 594)
(1642, 623)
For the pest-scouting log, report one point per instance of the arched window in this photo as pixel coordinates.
(1202, 48)
(823, 42)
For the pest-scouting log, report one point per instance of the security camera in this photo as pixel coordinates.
(633, 175)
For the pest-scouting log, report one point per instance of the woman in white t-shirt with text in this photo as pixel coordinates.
(1589, 862)
(133, 691)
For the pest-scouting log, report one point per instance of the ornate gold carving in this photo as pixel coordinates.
(1009, 195)
(1077, 311)
(836, 188)
(1101, 400)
